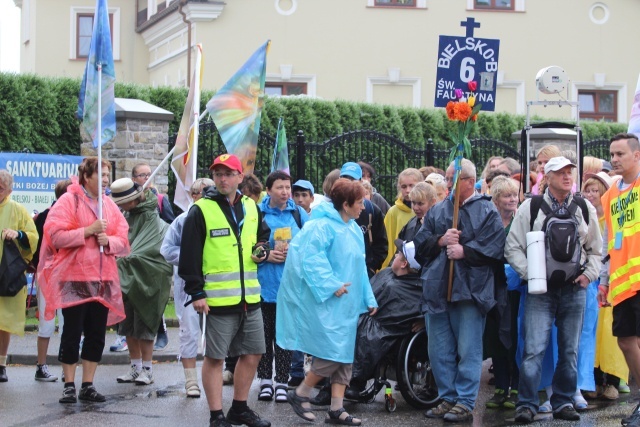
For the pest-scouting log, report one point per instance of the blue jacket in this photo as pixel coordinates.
(326, 254)
(269, 274)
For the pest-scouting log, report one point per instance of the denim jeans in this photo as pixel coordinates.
(565, 305)
(297, 365)
(455, 352)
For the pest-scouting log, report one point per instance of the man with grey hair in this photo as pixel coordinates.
(563, 303)
(455, 324)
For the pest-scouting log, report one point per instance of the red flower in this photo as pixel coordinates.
(462, 111)
(450, 110)
(473, 85)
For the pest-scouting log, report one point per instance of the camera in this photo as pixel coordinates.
(259, 252)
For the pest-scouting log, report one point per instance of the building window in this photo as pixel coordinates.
(82, 29)
(84, 25)
(494, 4)
(285, 88)
(399, 3)
(598, 105)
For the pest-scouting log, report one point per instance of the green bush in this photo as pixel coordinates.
(39, 114)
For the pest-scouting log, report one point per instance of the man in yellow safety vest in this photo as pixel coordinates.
(224, 238)
(619, 284)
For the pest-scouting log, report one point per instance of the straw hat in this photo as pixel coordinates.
(124, 190)
(603, 177)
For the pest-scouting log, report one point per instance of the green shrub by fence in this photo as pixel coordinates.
(38, 113)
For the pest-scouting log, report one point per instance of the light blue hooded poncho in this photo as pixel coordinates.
(323, 256)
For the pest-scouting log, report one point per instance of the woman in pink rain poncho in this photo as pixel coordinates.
(75, 276)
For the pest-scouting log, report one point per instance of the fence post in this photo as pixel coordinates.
(429, 152)
(300, 155)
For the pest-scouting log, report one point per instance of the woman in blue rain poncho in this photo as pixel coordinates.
(323, 291)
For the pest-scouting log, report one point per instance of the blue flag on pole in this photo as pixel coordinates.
(95, 89)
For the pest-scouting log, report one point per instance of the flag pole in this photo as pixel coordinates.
(100, 145)
(196, 113)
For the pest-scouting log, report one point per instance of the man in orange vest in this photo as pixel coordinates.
(618, 283)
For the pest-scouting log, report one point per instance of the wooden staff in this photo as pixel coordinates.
(454, 225)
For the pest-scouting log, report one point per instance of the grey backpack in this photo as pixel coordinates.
(561, 239)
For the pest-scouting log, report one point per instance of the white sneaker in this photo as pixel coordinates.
(227, 377)
(145, 377)
(130, 376)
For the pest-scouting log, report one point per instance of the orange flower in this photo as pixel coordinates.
(474, 118)
(450, 108)
(462, 111)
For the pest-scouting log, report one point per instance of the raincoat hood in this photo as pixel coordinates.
(400, 204)
(266, 209)
(326, 210)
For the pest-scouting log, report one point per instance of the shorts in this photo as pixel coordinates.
(339, 373)
(234, 334)
(133, 326)
(626, 318)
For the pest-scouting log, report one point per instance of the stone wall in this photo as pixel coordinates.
(137, 141)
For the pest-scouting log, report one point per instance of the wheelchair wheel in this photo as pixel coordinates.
(415, 377)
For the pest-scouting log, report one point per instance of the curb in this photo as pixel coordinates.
(108, 358)
(171, 323)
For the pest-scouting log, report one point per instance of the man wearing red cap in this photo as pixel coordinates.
(218, 262)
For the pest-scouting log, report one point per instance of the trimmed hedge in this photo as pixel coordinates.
(38, 114)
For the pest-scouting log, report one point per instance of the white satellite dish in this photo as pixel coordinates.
(551, 80)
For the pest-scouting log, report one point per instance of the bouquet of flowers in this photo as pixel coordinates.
(465, 112)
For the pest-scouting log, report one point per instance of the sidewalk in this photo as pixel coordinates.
(22, 350)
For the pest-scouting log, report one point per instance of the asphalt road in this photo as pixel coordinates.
(25, 402)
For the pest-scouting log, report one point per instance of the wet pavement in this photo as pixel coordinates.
(26, 402)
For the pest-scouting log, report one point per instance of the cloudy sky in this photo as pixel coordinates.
(9, 36)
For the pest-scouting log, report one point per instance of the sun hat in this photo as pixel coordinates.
(124, 190)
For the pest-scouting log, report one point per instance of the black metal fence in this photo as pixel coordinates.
(387, 154)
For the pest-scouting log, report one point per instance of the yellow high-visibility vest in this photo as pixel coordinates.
(622, 214)
(230, 274)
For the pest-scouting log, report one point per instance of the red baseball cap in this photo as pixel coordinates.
(229, 161)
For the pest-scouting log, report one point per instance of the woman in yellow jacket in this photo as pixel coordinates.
(400, 213)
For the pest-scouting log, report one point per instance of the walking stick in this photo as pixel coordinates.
(456, 202)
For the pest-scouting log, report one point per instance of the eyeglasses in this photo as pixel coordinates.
(591, 191)
(142, 175)
(225, 174)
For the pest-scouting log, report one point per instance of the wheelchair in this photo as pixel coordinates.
(408, 364)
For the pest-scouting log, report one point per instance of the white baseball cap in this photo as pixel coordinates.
(556, 163)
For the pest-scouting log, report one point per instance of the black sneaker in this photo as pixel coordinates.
(567, 413)
(3, 374)
(219, 421)
(90, 394)
(43, 374)
(68, 395)
(248, 417)
(635, 415)
(524, 415)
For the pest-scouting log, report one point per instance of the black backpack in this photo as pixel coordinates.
(561, 238)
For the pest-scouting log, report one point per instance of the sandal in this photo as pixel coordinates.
(281, 393)
(296, 403)
(266, 393)
(342, 417)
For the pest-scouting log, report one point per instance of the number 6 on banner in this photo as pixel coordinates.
(467, 72)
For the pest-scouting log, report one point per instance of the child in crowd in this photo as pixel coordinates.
(303, 194)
